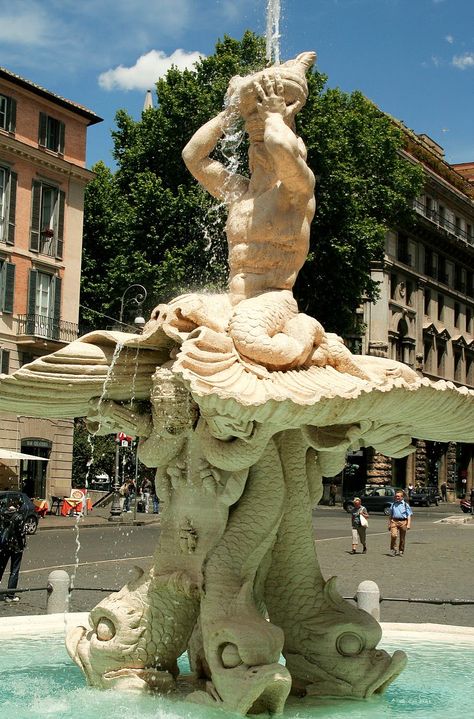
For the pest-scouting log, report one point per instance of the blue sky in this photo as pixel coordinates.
(413, 58)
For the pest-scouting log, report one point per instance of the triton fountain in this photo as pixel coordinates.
(242, 404)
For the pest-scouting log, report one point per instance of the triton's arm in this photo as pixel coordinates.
(213, 175)
(280, 140)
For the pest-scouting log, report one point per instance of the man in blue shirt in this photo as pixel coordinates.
(399, 523)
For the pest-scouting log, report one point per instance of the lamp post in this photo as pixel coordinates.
(138, 298)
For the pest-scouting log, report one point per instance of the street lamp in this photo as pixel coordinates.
(139, 298)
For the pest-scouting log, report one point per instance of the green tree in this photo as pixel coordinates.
(150, 222)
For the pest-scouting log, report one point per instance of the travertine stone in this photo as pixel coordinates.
(245, 403)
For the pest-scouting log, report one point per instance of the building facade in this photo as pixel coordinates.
(424, 315)
(42, 181)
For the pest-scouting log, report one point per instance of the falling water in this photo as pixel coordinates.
(105, 385)
(273, 31)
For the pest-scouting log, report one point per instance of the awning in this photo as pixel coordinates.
(10, 454)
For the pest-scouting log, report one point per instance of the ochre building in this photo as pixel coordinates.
(42, 181)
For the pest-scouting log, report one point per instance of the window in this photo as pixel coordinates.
(441, 215)
(44, 304)
(457, 312)
(469, 369)
(428, 354)
(441, 355)
(393, 286)
(403, 255)
(4, 361)
(427, 302)
(51, 133)
(8, 181)
(429, 207)
(7, 113)
(47, 219)
(440, 307)
(442, 274)
(457, 365)
(7, 286)
(469, 232)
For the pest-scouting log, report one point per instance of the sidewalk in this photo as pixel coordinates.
(98, 517)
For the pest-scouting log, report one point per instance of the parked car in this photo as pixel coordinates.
(375, 500)
(27, 508)
(425, 496)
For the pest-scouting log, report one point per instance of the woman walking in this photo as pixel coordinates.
(359, 526)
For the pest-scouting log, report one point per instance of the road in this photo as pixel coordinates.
(438, 563)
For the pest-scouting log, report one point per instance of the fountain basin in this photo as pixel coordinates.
(39, 680)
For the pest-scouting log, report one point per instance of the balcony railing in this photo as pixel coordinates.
(440, 221)
(47, 328)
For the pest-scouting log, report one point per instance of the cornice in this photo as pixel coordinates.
(42, 158)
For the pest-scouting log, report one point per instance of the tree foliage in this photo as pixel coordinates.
(150, 222)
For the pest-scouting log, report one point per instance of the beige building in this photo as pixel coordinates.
(425, 313)
(42, 181)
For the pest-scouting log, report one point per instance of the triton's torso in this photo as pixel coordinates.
(268, 239)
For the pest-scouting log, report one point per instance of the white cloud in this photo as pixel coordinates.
(147, 70)
(462, 62)
(450, 39)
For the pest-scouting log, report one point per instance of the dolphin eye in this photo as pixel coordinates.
(349, 644)
(230, 656)
(105, 630)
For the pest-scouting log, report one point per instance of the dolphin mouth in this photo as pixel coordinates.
(397, 665)
(264, 689)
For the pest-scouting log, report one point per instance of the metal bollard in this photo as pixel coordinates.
(368, 598)
(57, 601)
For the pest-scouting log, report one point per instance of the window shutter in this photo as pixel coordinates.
(60, 230)
(5, 367)
(11, 115)
(57, 307)
(43, 129)
(35, 215)
(30, 320)
(9, 277)
(10, 239)
(62, 133)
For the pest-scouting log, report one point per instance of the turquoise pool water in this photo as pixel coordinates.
(38, 680)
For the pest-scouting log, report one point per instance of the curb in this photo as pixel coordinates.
(105, 523)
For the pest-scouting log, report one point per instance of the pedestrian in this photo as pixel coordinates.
(147, 489)
(129, 495)
(399, 522)
(156, 501)
(12, 544)
(463, 487)
(472, 500)
(410, 490)
(332, 494)
(444, 492)
(359, 522)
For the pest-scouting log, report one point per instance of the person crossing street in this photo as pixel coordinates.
(399, 523)
(12, 544)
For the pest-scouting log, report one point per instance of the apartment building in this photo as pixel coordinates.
(425, 313)
(42, 181)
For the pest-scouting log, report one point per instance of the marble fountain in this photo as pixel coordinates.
(242, 404)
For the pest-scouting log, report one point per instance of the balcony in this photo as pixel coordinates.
(439, 219)
(40, 327)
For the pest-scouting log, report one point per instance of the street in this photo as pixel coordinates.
(438, 563)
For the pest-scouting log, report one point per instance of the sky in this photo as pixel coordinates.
(413, 58)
